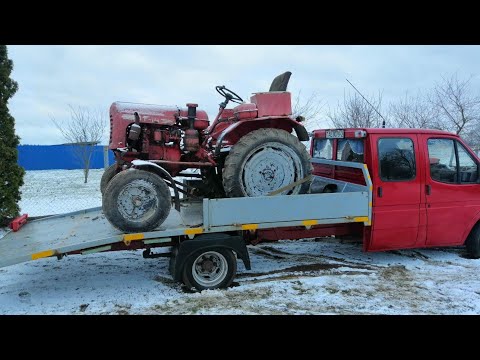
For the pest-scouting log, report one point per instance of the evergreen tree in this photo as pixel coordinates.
(11, 175)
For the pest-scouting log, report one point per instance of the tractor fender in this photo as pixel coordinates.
(183, 250)
(302, 133)
(286, 124)
(160, 171)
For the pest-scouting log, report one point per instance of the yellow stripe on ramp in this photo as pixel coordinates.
(309, 222)
(360, 219)
(132, 237)
(250, 227)
(42, 254)
(193, 231)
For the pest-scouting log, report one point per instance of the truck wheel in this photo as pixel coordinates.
(213, 268)
(108, 174)
(136, 201)
(264, 161)
(473, 242)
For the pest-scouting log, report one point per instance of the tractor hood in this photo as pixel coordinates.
(150, 114)
(122, 114)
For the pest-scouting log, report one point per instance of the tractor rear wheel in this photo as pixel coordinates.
(108, 174)
(266, 160)
(136, 201)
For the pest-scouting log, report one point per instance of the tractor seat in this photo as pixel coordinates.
(276, 102)
(280, 83)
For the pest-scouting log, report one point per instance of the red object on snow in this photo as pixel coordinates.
(18, 222)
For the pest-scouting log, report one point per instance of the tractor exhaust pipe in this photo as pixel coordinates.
(192, 114)
(191, 140)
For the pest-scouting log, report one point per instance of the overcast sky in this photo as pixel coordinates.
(51, 77)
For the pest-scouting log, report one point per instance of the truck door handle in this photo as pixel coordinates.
(428, 189)
(379, 191)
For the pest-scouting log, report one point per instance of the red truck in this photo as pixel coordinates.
(426, 189)
(392, 188)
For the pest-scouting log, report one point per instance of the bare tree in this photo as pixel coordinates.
(472, 137)
(355, 112)
(457, 105)
(83, 130)
(415, 112)
(310, 109)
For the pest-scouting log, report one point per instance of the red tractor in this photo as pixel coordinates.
(246, 151)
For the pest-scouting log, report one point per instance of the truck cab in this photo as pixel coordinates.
(426, 189)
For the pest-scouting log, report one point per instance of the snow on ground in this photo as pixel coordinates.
(302, 277)
(288, 277)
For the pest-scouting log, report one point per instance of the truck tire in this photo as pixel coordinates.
(473, 242)
(210, 268)
(108, 174)
(136, 201)
(264, 161)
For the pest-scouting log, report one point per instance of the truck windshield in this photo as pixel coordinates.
(350, 150)
(323, 149)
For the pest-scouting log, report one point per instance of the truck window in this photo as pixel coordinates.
(397, 159)
(350, 150)
(323, 149)
(468, 166)
(443, 162)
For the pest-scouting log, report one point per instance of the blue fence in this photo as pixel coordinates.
(49, 157)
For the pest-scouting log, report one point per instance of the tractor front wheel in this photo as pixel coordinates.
(266, 160)
(108, 175)
(136, 201)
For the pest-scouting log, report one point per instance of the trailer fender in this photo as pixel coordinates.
(181, 252)
(160, 171)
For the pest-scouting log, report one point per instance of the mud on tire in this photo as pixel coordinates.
(264, 161)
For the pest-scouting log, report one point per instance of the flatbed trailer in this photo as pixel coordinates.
(206, 236)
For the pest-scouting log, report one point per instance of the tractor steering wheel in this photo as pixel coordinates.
(228, 94)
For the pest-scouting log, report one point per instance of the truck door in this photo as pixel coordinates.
(397, 179)
(451, 189)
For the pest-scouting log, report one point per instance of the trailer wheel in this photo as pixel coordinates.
(211, 268)
(264, 161)
(108, 174)
(136, 201)
(473, 242)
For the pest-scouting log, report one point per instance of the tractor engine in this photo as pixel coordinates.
(155, 132)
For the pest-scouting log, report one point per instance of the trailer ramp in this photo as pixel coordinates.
(89, 231)
(56, 235)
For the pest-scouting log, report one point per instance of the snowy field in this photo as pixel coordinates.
(47, 192)
(288, 277)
